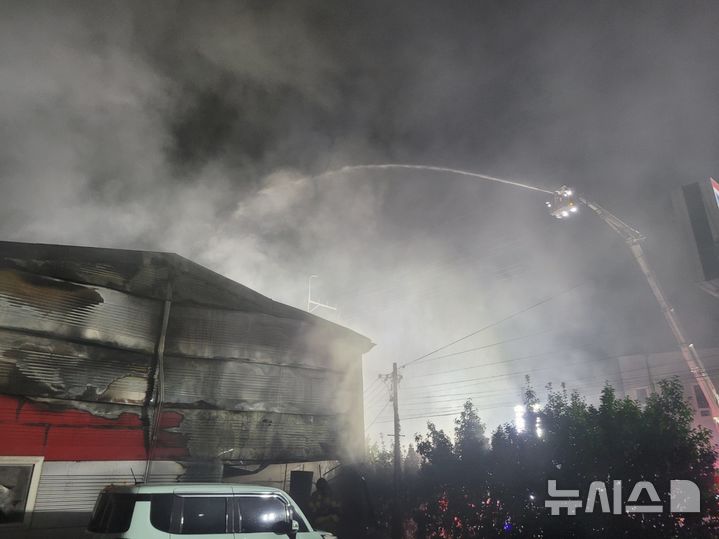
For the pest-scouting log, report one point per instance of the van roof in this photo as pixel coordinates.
(164, 488)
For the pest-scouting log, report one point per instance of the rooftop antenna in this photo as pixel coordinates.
(313, 305)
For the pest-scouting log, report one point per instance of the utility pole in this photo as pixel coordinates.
(394, 378)
(396, 513)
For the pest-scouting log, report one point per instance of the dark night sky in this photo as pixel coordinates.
(198, 127)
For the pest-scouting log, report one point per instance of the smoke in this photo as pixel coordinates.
(205, 129)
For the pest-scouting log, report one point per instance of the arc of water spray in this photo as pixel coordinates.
(382, 166)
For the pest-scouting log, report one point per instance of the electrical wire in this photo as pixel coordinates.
(620, 381)
(509, 405)
(377, 416)
(379, 399)
(553, 367)
(510, 360)
(449, 412)
(368, 388)
(499, 343)
(484, 347)
(470, 367)
(494, 324)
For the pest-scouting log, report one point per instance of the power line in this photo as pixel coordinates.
(446, 414)
(429, 401)
(499, 343)
(373, 398)
(618, 378)
(523, 373)
(615, 379)
(493, 324)
(483, 347)
(458, 410)
(449, 411)
(470, 367)
(377, 416)
(366, 391)
(510, 360)
(377, 399)
(376, 394)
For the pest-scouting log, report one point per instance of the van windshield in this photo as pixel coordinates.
(113, 513)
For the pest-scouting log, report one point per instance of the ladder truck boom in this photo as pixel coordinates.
(633, 238)
(565, 203)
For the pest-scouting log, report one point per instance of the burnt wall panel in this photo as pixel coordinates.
(263, 382)
(243, 385)
(257, 436)
(213, 333)
(54, 307)
(139, 272)
(139, 280)
(43, 367)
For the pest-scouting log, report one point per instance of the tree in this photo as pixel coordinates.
(468, 488)
(378, 456)
(411, 461)
(436, 448)
(377, 472)
(469, 438)
(616, 440)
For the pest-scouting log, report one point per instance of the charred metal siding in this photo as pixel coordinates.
(74, 367)
(243, 385)
(31, 365)
(40, 304)
(245, 379)
(250, 387)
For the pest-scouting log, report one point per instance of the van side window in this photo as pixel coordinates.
(204, 514)
(161, 511)
(113, 513)
(261, 514)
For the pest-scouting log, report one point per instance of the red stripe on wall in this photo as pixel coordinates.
(65, 443)
(66, 433)
(22, 440)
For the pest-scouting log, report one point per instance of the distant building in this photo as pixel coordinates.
(112, 358)
(697, 205)
(640, 373)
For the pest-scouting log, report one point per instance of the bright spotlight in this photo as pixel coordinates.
(565, 213)
(574, 209)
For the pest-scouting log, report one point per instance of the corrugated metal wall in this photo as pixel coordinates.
(74, 366)
(78, 360)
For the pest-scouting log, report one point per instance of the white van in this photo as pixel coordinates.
(203, 511)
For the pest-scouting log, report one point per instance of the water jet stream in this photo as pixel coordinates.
(385, 166)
